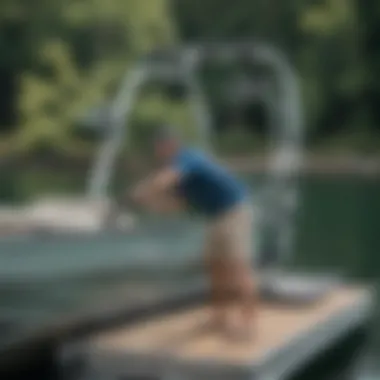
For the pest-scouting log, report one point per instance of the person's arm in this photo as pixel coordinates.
(164, 181)
(167, 203)
(156, 185)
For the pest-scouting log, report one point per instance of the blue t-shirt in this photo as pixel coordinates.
(205, 185)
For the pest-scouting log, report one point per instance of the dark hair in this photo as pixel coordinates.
(166, 132)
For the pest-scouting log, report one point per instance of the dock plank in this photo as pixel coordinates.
(178, 334)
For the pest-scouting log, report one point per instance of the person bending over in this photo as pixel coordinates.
(191, 180)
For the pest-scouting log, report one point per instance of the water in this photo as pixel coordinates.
(42, 280)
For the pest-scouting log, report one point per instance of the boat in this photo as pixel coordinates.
(302, 322)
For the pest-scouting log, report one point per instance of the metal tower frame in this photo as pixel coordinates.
(279, 196)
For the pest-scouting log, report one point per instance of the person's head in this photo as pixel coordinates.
(166, 143)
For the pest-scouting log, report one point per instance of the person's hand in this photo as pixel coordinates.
(138, 194)
(134, 195)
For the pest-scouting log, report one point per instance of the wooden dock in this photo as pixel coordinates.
(173, 344)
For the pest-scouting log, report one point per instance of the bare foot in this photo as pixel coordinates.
(240, 331)
(240, 334)
(213, 324)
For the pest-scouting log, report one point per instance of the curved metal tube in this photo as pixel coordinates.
(279, 196)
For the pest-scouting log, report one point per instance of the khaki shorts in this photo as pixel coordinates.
(231, 233)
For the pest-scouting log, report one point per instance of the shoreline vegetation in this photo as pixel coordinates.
(14, 222)
(314, 164)
(318, 164)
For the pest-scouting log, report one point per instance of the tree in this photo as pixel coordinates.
(78, 50)
(324, 41)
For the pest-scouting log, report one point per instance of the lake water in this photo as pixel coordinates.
(42, 280)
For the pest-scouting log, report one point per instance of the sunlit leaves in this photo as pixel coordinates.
(56, 89)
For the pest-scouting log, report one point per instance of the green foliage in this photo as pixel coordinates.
(154, 109)
(239, 142)
(326, 40)
(71, 54)
(78, 51)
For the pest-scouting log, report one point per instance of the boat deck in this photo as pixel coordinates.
(287, 335)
